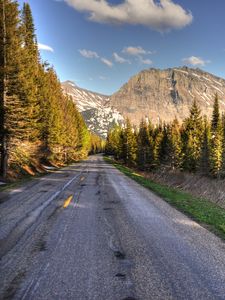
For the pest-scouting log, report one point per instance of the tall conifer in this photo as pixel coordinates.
(192, 138)
(29, 79)
(216, 148)
(11, 120)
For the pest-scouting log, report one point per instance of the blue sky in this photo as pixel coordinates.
(100, 44)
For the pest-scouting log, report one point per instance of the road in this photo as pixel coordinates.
(88, 232)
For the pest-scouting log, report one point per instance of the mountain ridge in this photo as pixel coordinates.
(162, 95)
(159, 95)
(95, 108)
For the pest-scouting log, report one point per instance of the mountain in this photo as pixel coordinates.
(162, 95)
(95, 108)
(159, 95)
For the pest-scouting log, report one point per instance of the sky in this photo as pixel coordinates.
(100, 44)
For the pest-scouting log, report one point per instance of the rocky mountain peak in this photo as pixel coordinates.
(94, 107)
(162, 95)
(158, 95)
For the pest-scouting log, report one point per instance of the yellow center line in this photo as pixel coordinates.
(67, 201)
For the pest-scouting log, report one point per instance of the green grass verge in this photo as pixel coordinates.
(201, 210)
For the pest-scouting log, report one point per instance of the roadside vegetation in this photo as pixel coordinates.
(201, 210)
(196, 146)
(38, 122)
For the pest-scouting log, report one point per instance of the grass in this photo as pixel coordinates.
(201, 210)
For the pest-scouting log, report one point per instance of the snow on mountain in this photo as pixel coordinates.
(162, 95)
(158, 95)
(95, 108)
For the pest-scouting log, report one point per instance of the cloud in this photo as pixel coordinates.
(119, 59)
(145, 61)
(106, 62)
(135, 51)
(138, 52)
(195, 61)
(161, 15)
(45, 47)
(88, 53)
(92, 54)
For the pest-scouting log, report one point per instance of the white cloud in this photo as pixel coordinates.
(88, 53)
(106, 62)
(195, 61)
(119, 59)
(161, 15)
(45, 47)
(145, 61)
(135, 51)
(92, 54)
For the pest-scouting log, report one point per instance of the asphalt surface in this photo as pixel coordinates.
(89, 232)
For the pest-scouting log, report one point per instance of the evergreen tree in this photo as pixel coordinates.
(129, 144)
(165, 147)
(114, 141)
(192, 139)
(223, 146)
(11, 108)
(216, 148)
(176, 155)
(3, 136)
(204, 166)
(216, 115)
(144, 146)
(30, 73)
(157, 140)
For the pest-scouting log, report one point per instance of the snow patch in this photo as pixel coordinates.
(219, 90)
(182, 71)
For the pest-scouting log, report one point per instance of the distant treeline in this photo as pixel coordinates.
(37, 121)
(196, 145)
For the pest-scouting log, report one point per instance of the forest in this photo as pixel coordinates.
(196, 145)
(38, 122)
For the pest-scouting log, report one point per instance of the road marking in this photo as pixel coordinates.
(67, 201)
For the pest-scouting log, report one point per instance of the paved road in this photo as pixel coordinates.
(88, 232)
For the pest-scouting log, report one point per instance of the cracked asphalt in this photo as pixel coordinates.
(89, 232)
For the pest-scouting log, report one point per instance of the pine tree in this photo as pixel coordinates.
(113, 142)
(129, 144)
(216, 115)
(11, 108)
(3, 136)
(157, 140)
(176, 155)
(223, 147)
(144, 146)
(192, 139)
(30, 73)
(165, 146)
(204, 166)
(216, 148)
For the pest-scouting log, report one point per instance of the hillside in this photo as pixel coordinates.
(160, 95)
(94, 107)
(166, 94)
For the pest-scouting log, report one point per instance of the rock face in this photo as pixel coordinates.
(159, 95)
(94, 107)
(162, 95)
